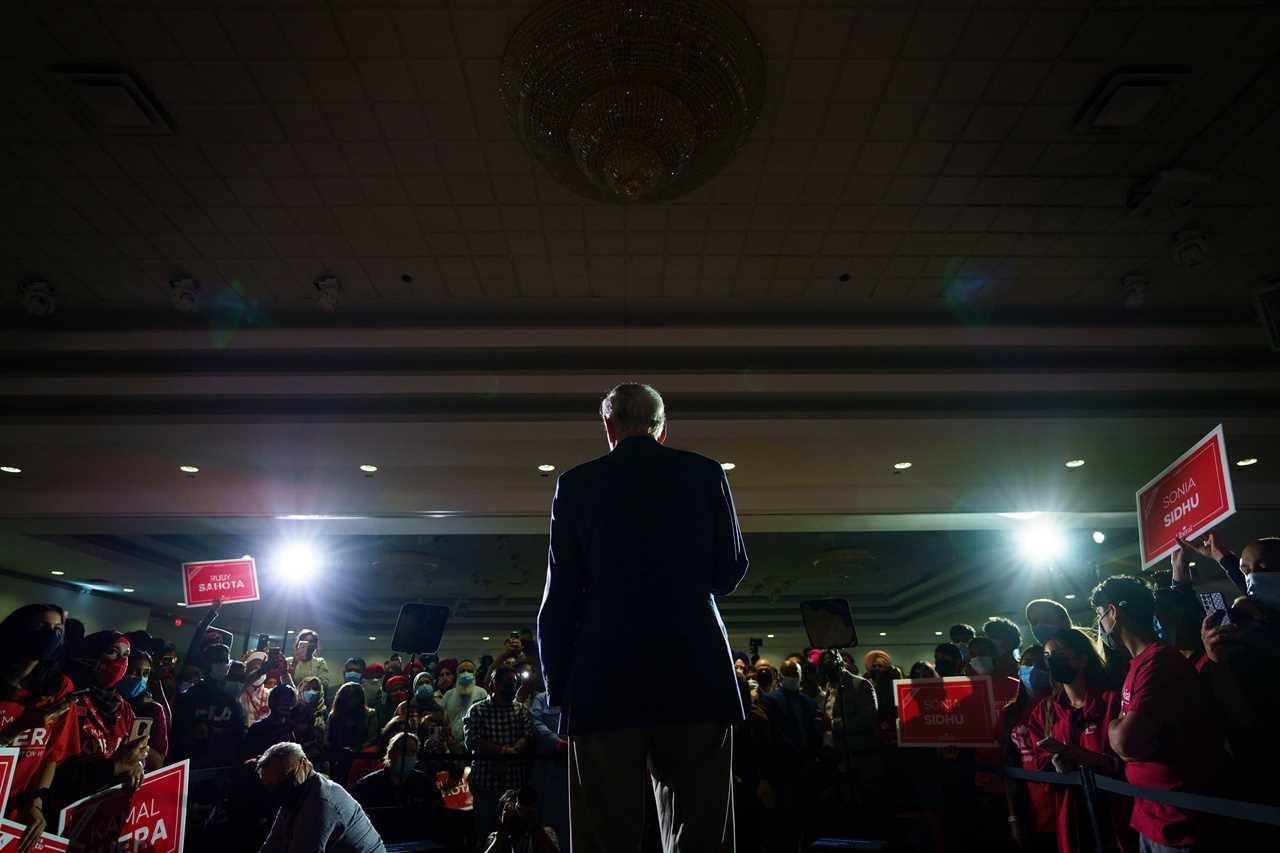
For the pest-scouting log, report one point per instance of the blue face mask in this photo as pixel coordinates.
(466, 679)
(311, 697)
(1034, 679)
(425, 693)
(352, 677)
(131, 686)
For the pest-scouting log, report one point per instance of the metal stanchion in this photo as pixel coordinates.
(1089, 789)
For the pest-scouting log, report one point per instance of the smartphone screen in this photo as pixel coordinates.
(141, 728)
(1212, 601)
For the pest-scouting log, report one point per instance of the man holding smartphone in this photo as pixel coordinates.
(643, 539)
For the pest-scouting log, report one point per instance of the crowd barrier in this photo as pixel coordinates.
(1091, 783)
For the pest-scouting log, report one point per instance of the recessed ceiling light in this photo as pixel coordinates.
(188, 469)
(1245, 463)
(56, 572)
(769, 636)
(546, 469)
(1069, 595)
(884, 634)
(369, 469)
(1192, 564)
(484, 638)
(901, 466)
(127, 589)
(937, 633)
(373, 638)
(1099, 537)
(9, 469)
(290, 631)
(182, 604)
(1075, 463)
(728, 466)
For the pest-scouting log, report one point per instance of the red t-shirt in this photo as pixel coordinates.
(1164, 686)
(91, 736)
(38, 746)
(1039, 794)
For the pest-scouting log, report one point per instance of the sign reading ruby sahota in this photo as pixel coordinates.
(1186, 499)
(152, 818)
(231, 580)
(952, 711)
(11, 833)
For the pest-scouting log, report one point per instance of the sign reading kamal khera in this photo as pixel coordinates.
(230, 580)
(153, 818)
(1186, 499)
(953, 711)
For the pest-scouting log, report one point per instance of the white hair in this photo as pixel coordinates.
(634, 408)
(291, 756)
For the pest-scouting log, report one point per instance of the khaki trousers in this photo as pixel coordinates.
(687, 769)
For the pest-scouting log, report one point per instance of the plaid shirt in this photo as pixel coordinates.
(501, 726)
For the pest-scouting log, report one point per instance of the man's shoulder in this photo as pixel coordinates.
(592, 468)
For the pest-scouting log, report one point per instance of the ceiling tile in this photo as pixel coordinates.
(934, 34)
(368, 158)
(481, 33)
(989, 34)
(311, 34)
(863, 79)
(334, 80)
(255, 33)
(914, 81)
(451, 120)
(991, 122)
(877, 33)
(281, 81)
(811, 79)
(352, 121)
(425, 32)
(896, 121)
(1046, 34)
(303, 122)
(516, 189)
(402, 121)
(277, 159)
(1016, 82)
(387, 79)
(368, 32)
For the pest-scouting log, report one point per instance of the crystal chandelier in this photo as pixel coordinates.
(632, 100)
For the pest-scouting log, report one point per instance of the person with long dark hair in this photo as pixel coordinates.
(34, 703)
(1071, 727)
(102, 753)
(136, 689)
(1031, 805)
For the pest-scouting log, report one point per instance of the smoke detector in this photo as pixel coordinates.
(1191, 248)
(184, 295)
(328, 293)
(1134, 290)
(38, 299)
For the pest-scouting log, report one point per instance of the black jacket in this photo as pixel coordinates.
(642, 540)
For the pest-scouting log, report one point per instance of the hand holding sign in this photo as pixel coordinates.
(1208, 547)
(215, 582)
(1186, 500)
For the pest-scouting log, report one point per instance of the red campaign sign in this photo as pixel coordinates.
(230, 580)
(952, 711)
(8, 764)
(1186, 499)
(11, 834)
(455, 796)
(152, 819)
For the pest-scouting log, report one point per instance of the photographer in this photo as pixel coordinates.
(307, 663)
(519, 828)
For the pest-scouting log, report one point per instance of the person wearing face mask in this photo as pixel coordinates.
(315, 815)
(1070, 730)
(372, 684)
(1046, 618)
(353, 671)
(398, 783)
(135, 688)
(34, 708)
(1030, 805)
(793, 724)
(498, 725)
(100, 753)
(460, 699)
(307, 663)
(1163, 732)
(395, 690)
(962, 635)
(209, 721)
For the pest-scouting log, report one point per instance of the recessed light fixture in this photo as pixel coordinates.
(127, 589)
(1069, 595)
(10, 469)
(937, 633)
(728, 466)
(884, 634)
(188, 469)
(484, 638)
(373, 638)
(369, 469)
(901, 466)
(56, 572)
(290, 631)
(1075, 463)
(1245, 463)
(1192, 564)
(1099, 537)
(545, 468)
(769, 636)
(182, 604)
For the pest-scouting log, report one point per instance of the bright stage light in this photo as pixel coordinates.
(296, 563)
(1041, 543)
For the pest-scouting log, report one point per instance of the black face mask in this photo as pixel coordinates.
(1062, 670)
(507, 692)
(41, 644)
(288, 794)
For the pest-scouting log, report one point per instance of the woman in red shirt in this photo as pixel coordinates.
(1033, 811)
(33, 709)
(1072, 727)
(101, 754)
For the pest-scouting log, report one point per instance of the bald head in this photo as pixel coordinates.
(1262, 555)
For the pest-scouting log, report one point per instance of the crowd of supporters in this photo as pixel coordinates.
(1152, 691)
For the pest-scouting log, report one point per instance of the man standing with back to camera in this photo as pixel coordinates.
(642, 540)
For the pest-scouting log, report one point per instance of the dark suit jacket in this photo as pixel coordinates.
(642, 540)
